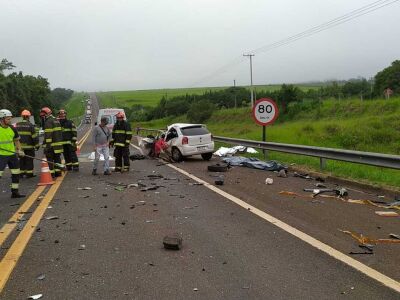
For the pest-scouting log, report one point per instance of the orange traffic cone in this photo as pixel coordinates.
(45, 175)
(78, 151)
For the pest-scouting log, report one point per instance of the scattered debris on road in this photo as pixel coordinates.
(84, 188)
(155, 176)
(282, 173)
(269, 181)
(172, 242)
(395, 236)
(38, 296)
(363, 240)
(219, 180)
(41, 277)
(387, 213)
(52, 218)
(150, 188)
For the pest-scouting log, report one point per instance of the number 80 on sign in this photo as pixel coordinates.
(265, 111)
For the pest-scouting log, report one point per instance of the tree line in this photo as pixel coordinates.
(198, 108)
(19, 91)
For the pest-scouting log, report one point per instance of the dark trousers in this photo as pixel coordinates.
(121, 153)
(53, 158)
(13, 165)
(71, 159)
(26, 163)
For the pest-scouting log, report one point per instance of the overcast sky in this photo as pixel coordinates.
(128, 45)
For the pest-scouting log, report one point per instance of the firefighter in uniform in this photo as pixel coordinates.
(10, 147)
(69, 141)
(29, 143)
(53, 141)
(121, 138)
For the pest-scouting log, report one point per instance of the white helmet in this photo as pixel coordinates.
(5, 113)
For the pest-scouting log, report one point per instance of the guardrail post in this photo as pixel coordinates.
(322, 163)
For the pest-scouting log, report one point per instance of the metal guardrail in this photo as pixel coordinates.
(366, 158)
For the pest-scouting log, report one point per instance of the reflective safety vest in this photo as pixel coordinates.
(7, 136)
(121, 134)
(69, 132)
(53, 135)
(28, 136)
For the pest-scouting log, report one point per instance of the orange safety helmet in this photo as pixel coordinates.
(62, 113)
(25, 113)
(45, 111)
(120, 114)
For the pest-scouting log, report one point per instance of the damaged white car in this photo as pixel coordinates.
(189, 139)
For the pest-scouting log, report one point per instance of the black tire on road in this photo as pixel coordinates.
(218, 167)
(176, 155)
(206, 156)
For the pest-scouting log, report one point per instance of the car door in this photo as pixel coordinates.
(171, 137)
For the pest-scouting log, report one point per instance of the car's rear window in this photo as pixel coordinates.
(197, 130)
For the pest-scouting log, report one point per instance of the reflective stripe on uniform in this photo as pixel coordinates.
(15, 171)
(119, 144)
(26, 147)
(14, 186)
(25, 133)
(119, 131)
(48, 130)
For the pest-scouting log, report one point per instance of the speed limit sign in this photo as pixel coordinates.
(265, 111)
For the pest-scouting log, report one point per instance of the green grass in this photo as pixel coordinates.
(152, 97)
(372, 126)
(76, 106)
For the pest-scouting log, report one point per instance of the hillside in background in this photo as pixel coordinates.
(153, 97)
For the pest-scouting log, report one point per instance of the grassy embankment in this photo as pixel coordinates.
(372, 126)
(75, 107)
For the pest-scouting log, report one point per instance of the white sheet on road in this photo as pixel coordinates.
(91, 156)
(224, 151)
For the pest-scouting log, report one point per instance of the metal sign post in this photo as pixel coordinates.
(265, 111)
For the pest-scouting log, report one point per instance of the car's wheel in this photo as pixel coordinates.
(206, 156)
(176, 155)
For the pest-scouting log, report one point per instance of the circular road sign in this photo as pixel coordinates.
(265, 111)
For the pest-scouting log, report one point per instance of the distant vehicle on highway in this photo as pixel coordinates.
(109, 113)
(189, 139)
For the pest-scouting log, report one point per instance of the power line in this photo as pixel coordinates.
(330, 24)
(314, 30)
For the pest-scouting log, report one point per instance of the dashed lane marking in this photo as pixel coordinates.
(9, 261)
(372, 273)
(6, 230)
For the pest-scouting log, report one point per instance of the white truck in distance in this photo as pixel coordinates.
(109, 113)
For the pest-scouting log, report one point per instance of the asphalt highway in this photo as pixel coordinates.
(101, 237)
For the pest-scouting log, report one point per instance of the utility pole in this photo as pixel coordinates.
(251, 77)
(234, 90)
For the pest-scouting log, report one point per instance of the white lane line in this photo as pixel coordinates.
(372, 273)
